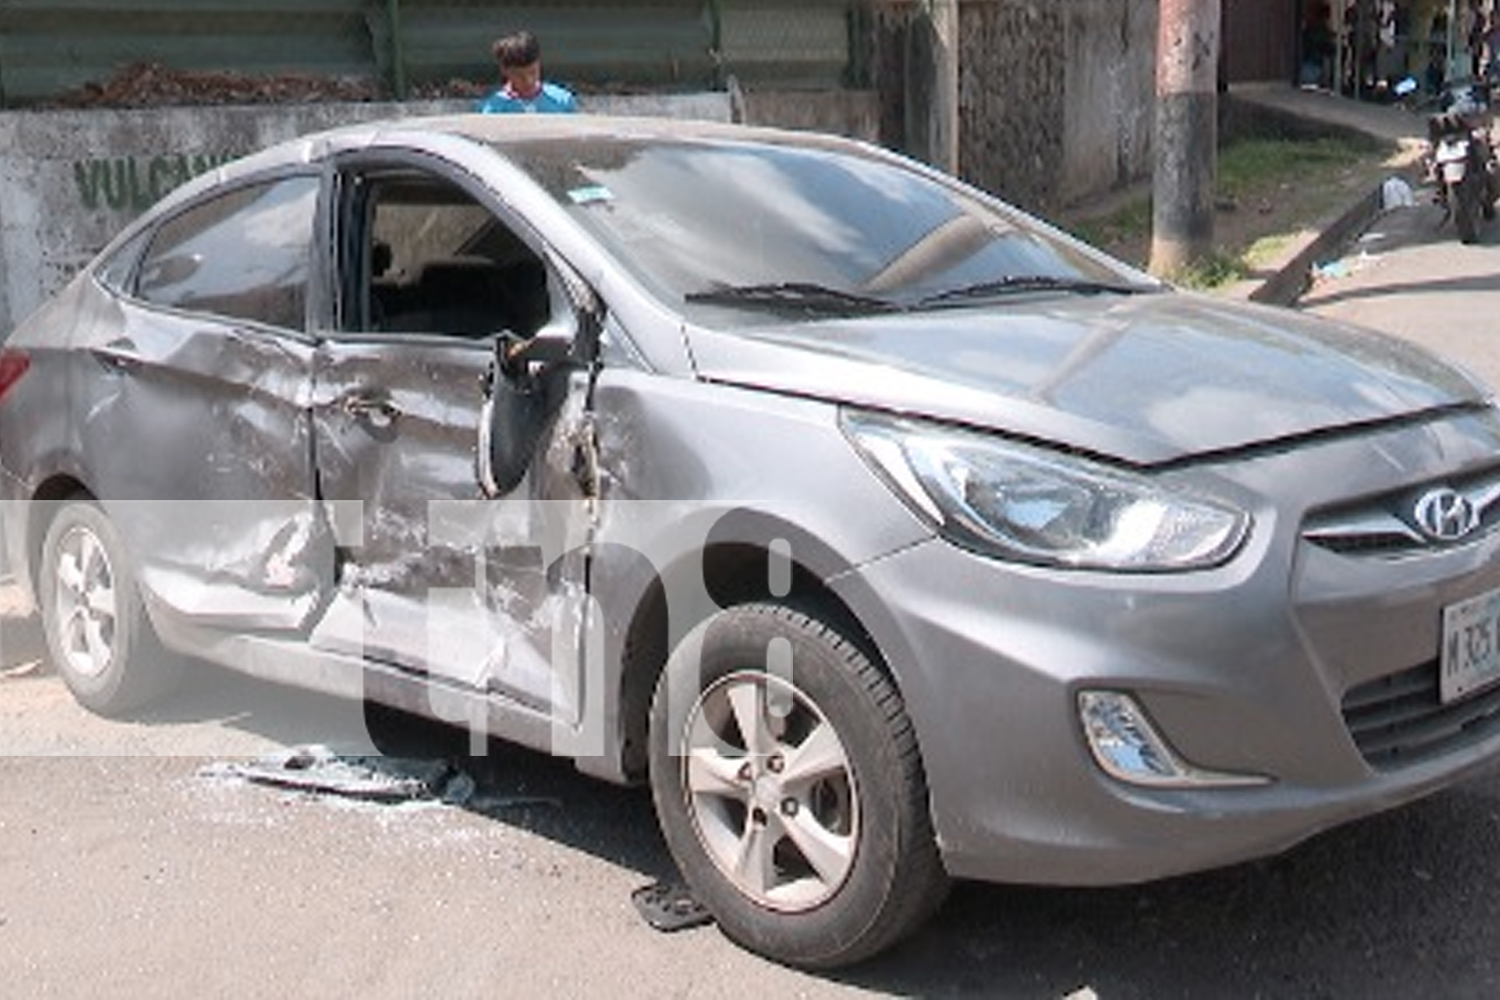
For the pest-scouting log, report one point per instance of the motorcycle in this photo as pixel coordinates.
(1462, 158)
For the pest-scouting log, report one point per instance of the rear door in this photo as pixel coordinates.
(194, 385)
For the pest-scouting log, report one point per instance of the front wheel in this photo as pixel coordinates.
(98, 635)
(789, 788)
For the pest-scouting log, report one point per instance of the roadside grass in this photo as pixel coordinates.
(1268, 191)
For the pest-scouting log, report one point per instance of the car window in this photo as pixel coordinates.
(118, 268)
(432, 259)
(243, 254)
(693, 219)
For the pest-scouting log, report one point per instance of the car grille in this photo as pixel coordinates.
(1386, 525)
(1399, 720)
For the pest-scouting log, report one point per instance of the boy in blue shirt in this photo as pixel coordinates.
(519, 56)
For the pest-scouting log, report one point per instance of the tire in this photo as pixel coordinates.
(98, 635)
(1465, 199)
(816, 851)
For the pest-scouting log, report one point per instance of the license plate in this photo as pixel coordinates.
(1470, 657)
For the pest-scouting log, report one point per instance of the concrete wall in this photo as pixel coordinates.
(70, 180)
(1057, 97)
(1110, 99)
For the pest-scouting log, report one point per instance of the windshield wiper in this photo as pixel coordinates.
(1031, 283)
(796, 295)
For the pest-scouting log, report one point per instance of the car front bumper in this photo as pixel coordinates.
(1252, 669)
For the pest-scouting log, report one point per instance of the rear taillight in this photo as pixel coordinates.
(13, 364)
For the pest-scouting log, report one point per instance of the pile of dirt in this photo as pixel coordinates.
(153, 85)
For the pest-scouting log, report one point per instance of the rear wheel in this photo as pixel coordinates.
(788, 785)
(1465, 199)
(98, 635)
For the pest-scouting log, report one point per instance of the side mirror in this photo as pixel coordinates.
(525, 383)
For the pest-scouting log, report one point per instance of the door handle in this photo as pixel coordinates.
(118, 355)
(377, 411)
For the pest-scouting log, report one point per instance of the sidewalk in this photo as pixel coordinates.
(1404, 130)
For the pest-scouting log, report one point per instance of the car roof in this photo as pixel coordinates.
(491, 131)
(498, 130)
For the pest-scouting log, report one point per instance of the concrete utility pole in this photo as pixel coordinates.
(1187, 59)
(943, 112)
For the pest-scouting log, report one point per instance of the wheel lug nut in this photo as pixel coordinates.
(758, 817)
(776, 764)
(789, 808)
(745, 773)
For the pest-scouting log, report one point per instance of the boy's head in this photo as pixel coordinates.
(519, 56)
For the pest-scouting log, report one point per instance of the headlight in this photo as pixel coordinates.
(1042, 507)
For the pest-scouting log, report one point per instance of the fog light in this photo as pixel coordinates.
(1128, 748)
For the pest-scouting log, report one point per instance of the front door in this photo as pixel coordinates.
(435, 577)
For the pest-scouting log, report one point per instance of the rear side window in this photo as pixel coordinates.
(244, 254)
(116, 271)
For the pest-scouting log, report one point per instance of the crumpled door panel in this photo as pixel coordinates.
(434, 576)
(197, 434)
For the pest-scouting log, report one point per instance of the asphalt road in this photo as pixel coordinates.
(132, 863)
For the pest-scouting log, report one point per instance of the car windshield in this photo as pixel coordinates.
(748, 229)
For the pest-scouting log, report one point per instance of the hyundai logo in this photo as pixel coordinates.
(1445, 515)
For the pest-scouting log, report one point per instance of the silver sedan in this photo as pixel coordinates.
(890, 534)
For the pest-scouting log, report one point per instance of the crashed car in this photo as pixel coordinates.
(890, 534)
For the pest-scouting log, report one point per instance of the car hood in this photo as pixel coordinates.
(1144, 379)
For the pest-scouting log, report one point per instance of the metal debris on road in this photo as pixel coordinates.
(318, 770)
(33, 668)
(668, 906)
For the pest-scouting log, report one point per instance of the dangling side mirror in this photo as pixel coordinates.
(518, 405)
(525, 386)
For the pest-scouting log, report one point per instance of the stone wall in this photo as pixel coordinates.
(1013, 89)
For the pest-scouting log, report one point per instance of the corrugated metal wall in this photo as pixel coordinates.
(649, 43)
(50, 47)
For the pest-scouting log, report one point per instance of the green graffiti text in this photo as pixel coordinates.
(135, 183)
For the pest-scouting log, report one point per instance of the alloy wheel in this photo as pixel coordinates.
(85, 602)
(771, 791)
